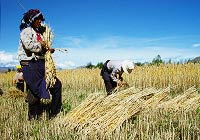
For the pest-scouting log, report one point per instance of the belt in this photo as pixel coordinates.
(26, 62)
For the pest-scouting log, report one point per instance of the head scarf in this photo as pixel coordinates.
(29, 17)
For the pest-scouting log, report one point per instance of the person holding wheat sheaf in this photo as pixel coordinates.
(38, 69)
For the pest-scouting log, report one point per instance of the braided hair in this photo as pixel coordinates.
(29, 17)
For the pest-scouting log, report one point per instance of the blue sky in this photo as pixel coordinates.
(97, 30)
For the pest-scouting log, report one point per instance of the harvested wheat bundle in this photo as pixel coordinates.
(120, 113)
(15, 93)
(88, 108)
(50, 69)
(178, 101)
(94, 104)
(124, 86)
(109, 112)
(75, 117)
(156, 99)
(104, 114)
(192, 104)
(106, 106)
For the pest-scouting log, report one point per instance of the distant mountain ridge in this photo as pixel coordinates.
(5, 69)
(196, 60)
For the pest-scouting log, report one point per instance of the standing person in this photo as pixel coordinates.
(112, 71)
(31, 52)
(18, 79)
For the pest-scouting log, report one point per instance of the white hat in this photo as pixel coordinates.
(127, 64)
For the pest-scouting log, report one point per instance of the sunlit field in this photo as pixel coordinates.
(161, 103)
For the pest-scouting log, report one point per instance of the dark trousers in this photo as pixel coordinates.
(34, 76)
(56, 101)
(109, 83)
(35, 108)
(20, 86)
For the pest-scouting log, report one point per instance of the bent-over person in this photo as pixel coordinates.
(112, 71)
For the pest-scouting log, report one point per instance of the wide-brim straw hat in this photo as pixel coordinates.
(127, 64)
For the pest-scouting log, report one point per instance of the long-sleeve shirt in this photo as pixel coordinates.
(29, 45)
(115, 66)
(18, 78)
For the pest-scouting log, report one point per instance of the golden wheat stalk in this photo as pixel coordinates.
(50, 69)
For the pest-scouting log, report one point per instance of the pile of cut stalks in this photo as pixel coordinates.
(104, 114)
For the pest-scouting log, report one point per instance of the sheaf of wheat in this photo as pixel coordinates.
(50, 69)
(105, 114)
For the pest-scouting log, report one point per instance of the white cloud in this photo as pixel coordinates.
(137, 49)
(65, 65)
(196, 45)
(8, 59)
(82, 50)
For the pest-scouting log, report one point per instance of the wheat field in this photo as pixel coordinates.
(162, 102)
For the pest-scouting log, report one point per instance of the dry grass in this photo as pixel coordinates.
(13, 92)
(147, 110)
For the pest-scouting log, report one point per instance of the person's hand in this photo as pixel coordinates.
(52, 50)
(119, 83)
(44, 44)
(125, 84)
